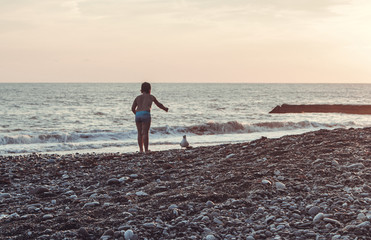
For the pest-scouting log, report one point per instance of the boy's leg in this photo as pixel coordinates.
(140, 136)
(146, 125)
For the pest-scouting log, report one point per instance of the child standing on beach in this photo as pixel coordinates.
(142, 109)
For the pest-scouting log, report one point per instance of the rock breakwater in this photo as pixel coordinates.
(323, 108)
(310, 186)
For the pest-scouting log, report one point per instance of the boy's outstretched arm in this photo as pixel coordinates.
(158, 104)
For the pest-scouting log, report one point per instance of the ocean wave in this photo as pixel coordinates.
(209, 128)
(65, 138)
(214, 128)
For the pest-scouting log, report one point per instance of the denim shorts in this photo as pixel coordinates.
(143, 117)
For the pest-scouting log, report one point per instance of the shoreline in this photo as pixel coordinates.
(156, 145)
(314, 185)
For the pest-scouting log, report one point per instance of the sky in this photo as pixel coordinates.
(248, 41)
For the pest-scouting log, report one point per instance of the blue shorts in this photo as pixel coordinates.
(142, 117)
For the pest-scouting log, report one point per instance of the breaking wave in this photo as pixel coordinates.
(210, 128)
(64, 137)
(214, 128)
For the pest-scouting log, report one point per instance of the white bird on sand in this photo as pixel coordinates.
(184, 142)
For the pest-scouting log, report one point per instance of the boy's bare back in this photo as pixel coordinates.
(144, 103)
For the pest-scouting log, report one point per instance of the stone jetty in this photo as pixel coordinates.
(350, 109)
(315, 185)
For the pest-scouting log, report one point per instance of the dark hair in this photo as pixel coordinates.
(146, 87)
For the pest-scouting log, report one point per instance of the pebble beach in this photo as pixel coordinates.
(316, 185)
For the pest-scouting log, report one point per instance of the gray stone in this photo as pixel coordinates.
(365, 224)
(361, 217)
(217, 221)
(260, 210)
(318, 217)
(210, 204)
(4, 195)
(40, 190)
(314, 210)
(333, 221)
(91, 204)
(172, 206)
(83, 233)
(141, 193)
(113, 181)
(149, 225)
(109, 232)
(356, 166)
(14, 216)
(210, 237)
(266, 182)
(129, 234)
(123, 179)
(65, 176)
(280, 186)
(47, 216)
(205, 219)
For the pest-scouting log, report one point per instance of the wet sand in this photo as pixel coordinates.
(315, 185)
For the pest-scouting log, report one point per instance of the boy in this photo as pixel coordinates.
(142, 109)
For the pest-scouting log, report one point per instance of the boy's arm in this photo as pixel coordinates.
(158, 104)
(134, 106)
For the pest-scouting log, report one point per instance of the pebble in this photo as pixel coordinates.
(149, 225)
(318, 217)
(266, 182)
(123, 179)
(280, 186)
(217, 221)
(129, 234)
(260, 210)
(109, 232)
(210, 237)
(91, 204)
(141, 193)
(113, 181)
(361, 217)
(173, 206)
(356, 166)
(65, 176)
(14, 216)
(314, 210)
(4, 195)
(40, 190)
(230, 156)
(83, 233)
(365, 224)
(210, 204)
(48, 216)
(333, 221)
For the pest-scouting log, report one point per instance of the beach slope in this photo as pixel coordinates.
(315, 185)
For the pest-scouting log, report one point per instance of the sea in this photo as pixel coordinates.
(70, 118)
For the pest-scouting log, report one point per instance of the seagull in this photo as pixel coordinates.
(184, 142)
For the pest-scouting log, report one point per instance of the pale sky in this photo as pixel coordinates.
(258, 41)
